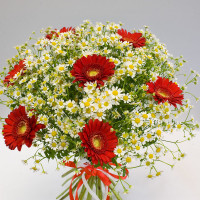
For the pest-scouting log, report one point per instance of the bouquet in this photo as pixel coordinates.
(100, 100)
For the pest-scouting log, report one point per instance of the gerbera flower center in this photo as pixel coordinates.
(127, 39)
(22, 128)
(163, 92)
(92, 68)
(93, 73)
(97, 142)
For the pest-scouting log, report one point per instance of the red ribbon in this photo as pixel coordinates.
(89, 171)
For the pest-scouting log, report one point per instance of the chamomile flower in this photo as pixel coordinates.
(53, 132)
(127, 98)
(98, 28)
(44, 88)
(154, 76)
(137, 121)
(60, 103)
(116, 93)
(61, 68)
(119, 151)
(128, 160)
(71, 104)
(17, 94)
(90, 87)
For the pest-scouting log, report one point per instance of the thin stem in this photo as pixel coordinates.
(82, 193)
(75, 183)
(165, 163)
(91, 184)
(98, 188)
(136, 167)
(70, 171)
(192, 95)
(188, 77)
(174, 142)
(67, 180)
(115, 192)
(187, 115)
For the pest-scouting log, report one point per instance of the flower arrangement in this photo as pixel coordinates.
(98, 99)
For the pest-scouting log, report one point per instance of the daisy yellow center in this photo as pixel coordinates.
(119, 151)
(148, 135)
(22, 128)
(158, 149)
(137, 148)
(115, 92)
(54, 133)
(70, 105)
(150, 156)
(140, 61)
(61, 68)
(63, 144)
(158, 132)
(125, 98)
(128, 159)
(99, 114)
(97, 142)
(93, 73)
(137, 120)
(145, 116)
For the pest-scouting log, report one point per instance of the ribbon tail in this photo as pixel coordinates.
(108, 197)
(70, 188)
(104, 177)
(78, 186)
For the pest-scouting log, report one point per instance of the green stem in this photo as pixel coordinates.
(190, 81)
(98, 188)
(67, 180)
(70, 171)
(165, 163)
(192, 95)
(188, 77)
(136, 167)
(115, 193)
(187, 115)
(91, 184)
(82, 193)
(75, 183)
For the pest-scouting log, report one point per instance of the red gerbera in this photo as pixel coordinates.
(135, 38)
(20, 129)
(12, 73)
(165, 90)
(64, 30)
(92, 68)
(51, 34)
(99, 141)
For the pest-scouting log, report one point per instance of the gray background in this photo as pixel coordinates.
(175, 23)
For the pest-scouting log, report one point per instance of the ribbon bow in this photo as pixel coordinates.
(86, 171)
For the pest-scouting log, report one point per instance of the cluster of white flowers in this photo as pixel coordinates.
(46, 85)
